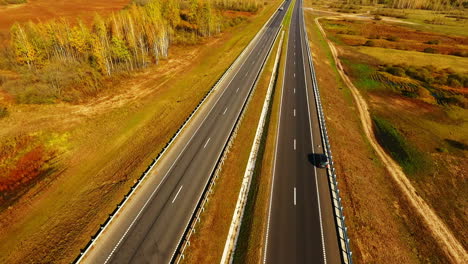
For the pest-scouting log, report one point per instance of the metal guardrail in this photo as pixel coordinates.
(147, 171)
(344, 241)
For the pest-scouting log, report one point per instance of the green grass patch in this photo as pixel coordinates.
(316, 35)
(287, 18)
(362, 73)
(336, 40)
(410, 159)
(416, 58)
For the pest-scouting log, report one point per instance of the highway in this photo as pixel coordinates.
(301, 225)
(152, 223)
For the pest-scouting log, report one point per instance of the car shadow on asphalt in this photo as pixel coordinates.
(315, 158)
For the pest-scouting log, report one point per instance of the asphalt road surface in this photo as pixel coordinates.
(301, 227)
(152, 223)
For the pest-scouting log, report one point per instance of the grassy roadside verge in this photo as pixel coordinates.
(110, 152)
(208, 243)
(388, 221)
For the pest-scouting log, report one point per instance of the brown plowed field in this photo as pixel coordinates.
(41, 10)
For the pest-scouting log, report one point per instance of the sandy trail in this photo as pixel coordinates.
(441, 233)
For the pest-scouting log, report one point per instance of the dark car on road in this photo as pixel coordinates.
(323, 161)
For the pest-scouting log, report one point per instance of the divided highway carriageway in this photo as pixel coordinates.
(301, 224)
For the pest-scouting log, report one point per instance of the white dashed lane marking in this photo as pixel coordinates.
(177, 194)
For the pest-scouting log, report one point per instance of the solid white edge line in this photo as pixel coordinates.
(177, 194)
(312, 140)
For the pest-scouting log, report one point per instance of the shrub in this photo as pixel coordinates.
(59, 80)
(397, 71)
(401, 47)
(3, 111)
(12, 2)
(430, 50)
(454, 83)
(369, 43)
(393, 38)
(377, 17)
(391, 13)
(435, 21)
(459, 53)
(457, 80)
(441, 79)
(433, 42)
(421, 74)
(395, 143)
(442, 150)
(374, 36)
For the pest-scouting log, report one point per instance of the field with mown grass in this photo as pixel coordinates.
(416, 82)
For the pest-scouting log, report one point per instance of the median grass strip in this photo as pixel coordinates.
(208, 242)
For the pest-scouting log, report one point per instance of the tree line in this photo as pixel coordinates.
(243, 5)
(129, 39)
(415, 4)
(64, 60)
(12, 2)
